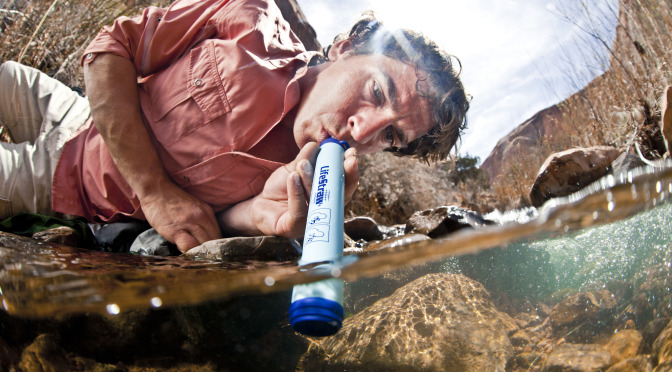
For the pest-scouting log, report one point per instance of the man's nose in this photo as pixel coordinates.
(365, 128)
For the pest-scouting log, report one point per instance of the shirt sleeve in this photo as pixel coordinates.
(159, 36)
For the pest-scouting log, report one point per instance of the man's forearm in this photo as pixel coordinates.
(112, 89)
(237, 220)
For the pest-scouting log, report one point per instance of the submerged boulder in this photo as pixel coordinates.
(440, 322)
(577, 357)
(580, 315)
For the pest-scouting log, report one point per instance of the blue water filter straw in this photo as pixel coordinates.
(317, 308)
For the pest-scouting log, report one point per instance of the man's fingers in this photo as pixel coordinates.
(184, 240)
(308, 152)
(306, 172)
(351, 168)
(297, 209)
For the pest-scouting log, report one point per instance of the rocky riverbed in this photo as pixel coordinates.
(414, 318)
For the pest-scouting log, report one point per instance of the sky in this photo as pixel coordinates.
(518, 56)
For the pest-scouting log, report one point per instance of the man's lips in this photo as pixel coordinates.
(323, 135)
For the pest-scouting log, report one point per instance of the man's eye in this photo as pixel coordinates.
(389, 135)
(378, 93)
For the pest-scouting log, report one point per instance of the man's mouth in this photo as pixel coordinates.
(323, 135)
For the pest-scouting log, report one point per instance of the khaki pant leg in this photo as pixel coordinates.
(41, 114)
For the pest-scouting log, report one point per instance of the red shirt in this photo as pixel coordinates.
(215, 77)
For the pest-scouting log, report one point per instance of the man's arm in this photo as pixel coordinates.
(115, 107)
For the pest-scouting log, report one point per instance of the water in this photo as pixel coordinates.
(609, 231)
(616, 229)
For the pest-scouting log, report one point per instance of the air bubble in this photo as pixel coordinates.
(156, 302)
(113, 309)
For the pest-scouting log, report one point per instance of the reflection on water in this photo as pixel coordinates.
(40, 280)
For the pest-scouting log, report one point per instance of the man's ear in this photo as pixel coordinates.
(339, 48)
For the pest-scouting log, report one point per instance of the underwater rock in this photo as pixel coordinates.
(8, 356)
(523, 361)
(662, 347)
(45, 355)
(640, 363)
(577, 357)
(578, 316)
(652, 331)
(440, 322)
(261, 248)
(568, 171)
(444, 220)
(362, 293)
(624, 344)
(362, 228)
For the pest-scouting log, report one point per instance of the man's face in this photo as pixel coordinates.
(368, 100)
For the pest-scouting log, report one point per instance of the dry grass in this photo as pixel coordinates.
(51, 35)
(619, 108)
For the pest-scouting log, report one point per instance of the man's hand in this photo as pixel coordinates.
(180, 218)
(282, 206)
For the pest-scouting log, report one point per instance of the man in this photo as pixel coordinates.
(215, 107)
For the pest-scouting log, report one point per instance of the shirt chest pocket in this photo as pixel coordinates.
(176, 111)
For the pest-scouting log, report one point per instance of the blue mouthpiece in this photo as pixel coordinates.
(343, 144)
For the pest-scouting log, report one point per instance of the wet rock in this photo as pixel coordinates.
(652, 331)
(579, 316)
(9, 356)
(440, 322)
(261, 248)
(45, 355)
(85, 364)
(568, 171)
(109, 337)
(663, 367)
(577, 358)
(362, 228)
(444, 220)
(624, 344)
(639, 311)
(523, 361)
(662, 347)
(362, 293)
(639, 363)
(622, 290)
(60, 235)
(520, 338)
(625, 162)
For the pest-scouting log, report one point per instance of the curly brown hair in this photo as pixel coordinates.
(438, 81)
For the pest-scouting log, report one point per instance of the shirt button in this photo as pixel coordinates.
(198, 82)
